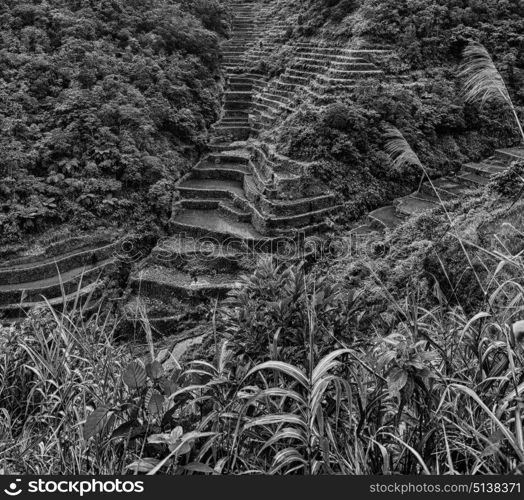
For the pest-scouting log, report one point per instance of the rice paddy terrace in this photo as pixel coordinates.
(430, 194)
(243, 198)
(69, 270)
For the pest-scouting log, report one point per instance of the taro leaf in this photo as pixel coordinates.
(147, 397)
(95, 422)
(154, 370)
(143, 465)
(134, 375)
(156, 403)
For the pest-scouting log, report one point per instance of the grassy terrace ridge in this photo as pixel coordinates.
(389, 132)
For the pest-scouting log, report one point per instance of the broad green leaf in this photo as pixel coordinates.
(154, 370)
(397, 379)
(95, 422)
(134, 375)
(156, 403)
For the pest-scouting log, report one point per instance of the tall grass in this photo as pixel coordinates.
(483, 82)
(55, 369)
(436, 392)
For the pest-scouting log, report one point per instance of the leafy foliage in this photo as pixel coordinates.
(103, 106)
(509, 182)
(429, 33)
(405, 363)
(268, 315)
(421, 93)
(429, 390)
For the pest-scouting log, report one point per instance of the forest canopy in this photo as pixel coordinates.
(430, 32)
(102, 104)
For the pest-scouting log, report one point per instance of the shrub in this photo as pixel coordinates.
(275, 299)
(428, 32)
(509, 182)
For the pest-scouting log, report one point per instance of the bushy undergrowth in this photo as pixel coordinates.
(405, 360)
(304, 376)
(103, 104)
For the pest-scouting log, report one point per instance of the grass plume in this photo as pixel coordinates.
(483, 81)
(399, 150)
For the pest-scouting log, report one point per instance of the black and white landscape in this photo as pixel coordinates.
(261, 236)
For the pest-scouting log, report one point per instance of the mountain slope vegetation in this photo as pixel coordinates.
(421, 93)
(398, 353)
(103, 104)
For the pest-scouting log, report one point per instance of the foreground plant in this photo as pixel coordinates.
(430, 391)
(55, 368)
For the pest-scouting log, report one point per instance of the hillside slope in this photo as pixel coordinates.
(419, 91)
(103, 104)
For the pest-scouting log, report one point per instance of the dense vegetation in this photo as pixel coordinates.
(433, 33)
(403, 356)
(305, 374)
(420, 93)
(102, 105)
